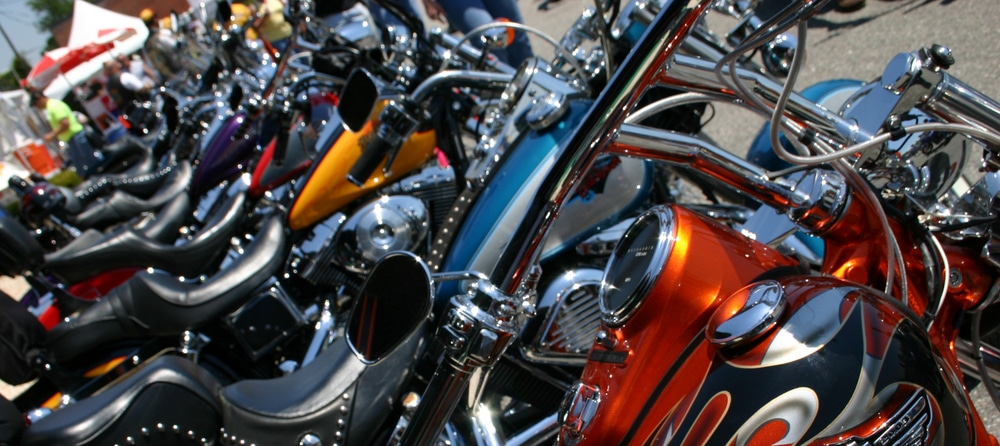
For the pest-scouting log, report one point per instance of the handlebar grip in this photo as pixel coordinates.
(370, 157)
(955, 101)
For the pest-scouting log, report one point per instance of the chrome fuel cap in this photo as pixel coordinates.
(747, 314)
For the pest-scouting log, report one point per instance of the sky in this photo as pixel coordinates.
(18, 20)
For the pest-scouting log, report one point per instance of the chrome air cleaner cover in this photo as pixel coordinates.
(390, 223)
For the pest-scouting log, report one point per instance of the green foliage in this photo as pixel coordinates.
(51, 12)
(51, 44)
(67, 178)
(9, 80)
(14, 209)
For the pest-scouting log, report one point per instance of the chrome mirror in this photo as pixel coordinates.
(357, 99)
(393, 304)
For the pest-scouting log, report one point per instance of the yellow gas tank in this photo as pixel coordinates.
(327, 188)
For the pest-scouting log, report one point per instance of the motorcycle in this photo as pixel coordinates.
(879, 316)
(241, 402)
(94, 263)
(614, 182)
(230, 310)
(154, 314)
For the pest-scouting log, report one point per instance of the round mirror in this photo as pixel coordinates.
(393, 303)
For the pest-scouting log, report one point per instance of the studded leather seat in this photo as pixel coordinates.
(130, 247)
(169, 401)
(119, 205)
(335, 399)
(152, 304)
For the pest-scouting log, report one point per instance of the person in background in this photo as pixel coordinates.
(66, 128)
(270, 22)
(466, 15)
(138, 68)
(848, 5)
(385, 18)
(337, 12)
(123, 87)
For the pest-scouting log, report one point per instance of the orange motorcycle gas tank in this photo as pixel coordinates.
(653, 376)
(326, 188)
(706, 262)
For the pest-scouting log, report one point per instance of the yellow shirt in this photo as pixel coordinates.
(275, 27)
(241, 16)
(56, 111)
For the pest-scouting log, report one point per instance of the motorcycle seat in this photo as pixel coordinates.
(336, 398)
(152, 304)
(127, 153)
(165, 224)
(169, 391)
(119, 206)
(129, 247)
(139, 184)
(19, 251)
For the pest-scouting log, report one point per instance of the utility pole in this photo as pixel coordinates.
(17, 55)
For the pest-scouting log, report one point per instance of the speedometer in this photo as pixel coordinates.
(635, 265)
(517, 85)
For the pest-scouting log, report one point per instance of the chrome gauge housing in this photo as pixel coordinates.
(517, 85)
(635, 265)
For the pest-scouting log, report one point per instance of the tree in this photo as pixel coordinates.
(51, 12)
(9, 80)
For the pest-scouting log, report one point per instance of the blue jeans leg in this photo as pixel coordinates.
(466, 15)
(85, 158)
(385, 18)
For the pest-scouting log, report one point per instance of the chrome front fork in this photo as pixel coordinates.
(475, 332)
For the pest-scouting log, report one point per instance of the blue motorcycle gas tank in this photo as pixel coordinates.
(615, 186)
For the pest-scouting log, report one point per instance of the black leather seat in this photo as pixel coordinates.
(120, 206)
(19, 251)
(165, 224)
(130, 247)
(159, 305)
(140, 184)
(336, 398)
(169, 401)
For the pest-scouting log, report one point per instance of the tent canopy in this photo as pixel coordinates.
(94, 24)
(99, 35)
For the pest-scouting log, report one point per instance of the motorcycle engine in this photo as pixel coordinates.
(399, 220)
